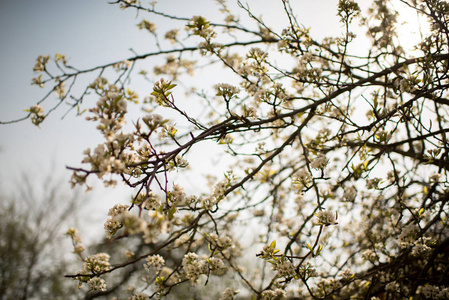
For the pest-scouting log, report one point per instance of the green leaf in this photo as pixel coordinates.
(421, 211)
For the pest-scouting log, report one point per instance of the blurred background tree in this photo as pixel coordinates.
(33, 250)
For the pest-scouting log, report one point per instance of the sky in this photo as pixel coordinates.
(79, 29)
(90, 33)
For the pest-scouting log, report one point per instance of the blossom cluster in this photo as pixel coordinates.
(325, 217)
(155, 262)
(194, 267)
(96, 263)
(97, 283)
(319, 162)
(275, 294)
(37, 114)
(433, 292)
(302, 179)
(198, 25)
(284, 268)
(327, 286)
(228, 294)
(113, 223)
(76, 240)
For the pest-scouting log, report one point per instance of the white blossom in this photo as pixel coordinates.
(228, 294)
(284, 268)
(194, 267)
(324, 217)
(97, 283)
(273, 294)
(155, 262)
(349, 194)
(319, 162)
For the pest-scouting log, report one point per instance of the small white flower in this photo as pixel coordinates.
(97, 283)
(228, 294)
(194, 267)
(420, 249)
(285, 268)
(226, 90)
(271, 295)
(155, 262)
(319, 162)
(349, 194)
(324, 217)
(369, 255)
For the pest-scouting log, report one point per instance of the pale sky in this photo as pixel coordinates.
(89, 32)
